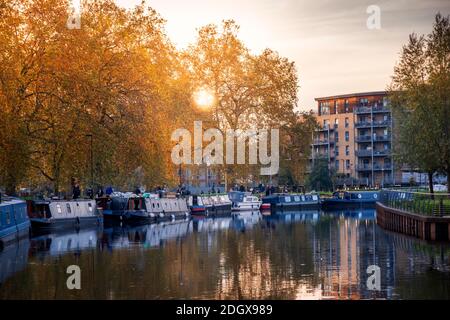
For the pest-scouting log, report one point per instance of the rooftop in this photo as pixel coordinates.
(352, 95)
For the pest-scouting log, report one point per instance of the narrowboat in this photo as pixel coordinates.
(114, 206)
(291, 202)
(51, 215)
(244, 201)
(350, 199)
(14, 222)
(196, 205)
(211, 205)
(167, 208)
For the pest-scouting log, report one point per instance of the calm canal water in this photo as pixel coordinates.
(312, 255)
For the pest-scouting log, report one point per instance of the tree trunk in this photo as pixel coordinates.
(430, 183)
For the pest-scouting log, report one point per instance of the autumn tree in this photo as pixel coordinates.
(420, 95)
(250, 90)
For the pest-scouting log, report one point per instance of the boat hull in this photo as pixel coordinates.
(336, 204)
(40, 225)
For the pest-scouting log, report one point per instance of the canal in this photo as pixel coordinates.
(303, 255)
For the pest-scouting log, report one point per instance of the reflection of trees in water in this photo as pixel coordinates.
(323, 258)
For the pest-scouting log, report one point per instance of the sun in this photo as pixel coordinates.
(204, 98)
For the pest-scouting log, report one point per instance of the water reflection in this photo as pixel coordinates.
(292, 255)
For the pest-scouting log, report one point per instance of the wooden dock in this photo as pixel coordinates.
(426, 227)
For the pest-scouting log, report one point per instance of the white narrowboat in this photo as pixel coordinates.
(244, 201)
(48, 215)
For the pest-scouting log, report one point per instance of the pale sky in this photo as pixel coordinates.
(334, 51)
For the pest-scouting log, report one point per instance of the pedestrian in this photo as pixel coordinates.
(76, 191)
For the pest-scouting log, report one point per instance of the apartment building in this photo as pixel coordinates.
(355, 137)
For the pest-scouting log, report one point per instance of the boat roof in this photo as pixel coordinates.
(10, 201)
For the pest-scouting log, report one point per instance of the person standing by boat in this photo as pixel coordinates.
(109, 190)
(76, 191)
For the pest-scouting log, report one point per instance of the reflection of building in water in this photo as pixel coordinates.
(13, 258)
(342, 255)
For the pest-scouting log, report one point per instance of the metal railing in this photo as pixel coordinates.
(374, 109)
(437, 204)
(364, 124)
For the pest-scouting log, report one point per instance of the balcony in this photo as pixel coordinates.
(368, 153)
(373, 109)
(363, 153)
(369, 124)
(368, 138)
(376, 167)
(363, 138)
(321, 142)
(383, 138)
(327, 127)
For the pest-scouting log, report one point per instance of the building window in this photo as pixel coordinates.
(347, 136)
(336, 122)
(346, 122)
(346, 106)
(347, 164)
(363, 102)
(336, 107)
(336, 151)
(336, 137)
(336, 164)
(324, 108)
(347, 150)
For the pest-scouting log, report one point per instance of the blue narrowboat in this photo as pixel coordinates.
(114, 207)
(14, 222)
(351, 199)
(291, 202)
(196, 205)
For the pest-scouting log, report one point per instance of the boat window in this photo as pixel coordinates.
(90, 206)
(287, 199)
(303, 198)
(153, 205)
(69, 210)
(58, 208)
(296, 198)
(8, 218)
(359, 196)
(314, 197)
(375, 195)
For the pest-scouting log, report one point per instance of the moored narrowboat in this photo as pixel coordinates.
(14, 222)
(166, 208)
(350, 199)
(55, 214)
(210, 205)
(196, 205)
(244, 201)
(291, 202)
(114, 206)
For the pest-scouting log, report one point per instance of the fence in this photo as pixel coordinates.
(437, 204)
